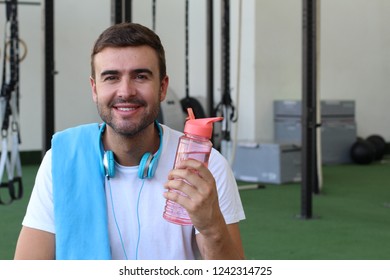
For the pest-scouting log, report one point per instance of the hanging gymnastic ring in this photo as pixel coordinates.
(22, 43)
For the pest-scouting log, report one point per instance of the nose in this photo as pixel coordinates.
(127, 88)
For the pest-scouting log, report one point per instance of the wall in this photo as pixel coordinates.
(354, 59)
(277, 59)
(77, 25)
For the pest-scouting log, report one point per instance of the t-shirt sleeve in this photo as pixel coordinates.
(40, 209)
(228, 194)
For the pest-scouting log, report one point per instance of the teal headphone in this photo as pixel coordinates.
(147, 166)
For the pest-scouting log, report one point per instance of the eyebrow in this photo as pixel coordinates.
(109, 72)
(143, 70)
(136, 71)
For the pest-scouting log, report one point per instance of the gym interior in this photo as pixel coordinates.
(302, 85)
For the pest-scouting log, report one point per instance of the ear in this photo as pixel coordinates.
(164, 88)
(93, 87)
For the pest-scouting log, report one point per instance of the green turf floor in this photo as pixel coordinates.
(351, 217)
(11, 215)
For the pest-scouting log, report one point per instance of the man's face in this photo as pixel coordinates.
(127, 88)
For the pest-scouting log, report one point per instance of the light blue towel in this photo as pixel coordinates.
(78, 193)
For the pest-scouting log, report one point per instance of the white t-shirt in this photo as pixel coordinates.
(137, 229)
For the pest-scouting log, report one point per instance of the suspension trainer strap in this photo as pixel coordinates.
(225, 107)
(10, 164)
(154, 15)
(188, 101)
(5, 165)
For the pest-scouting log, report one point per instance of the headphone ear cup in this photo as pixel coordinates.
(143, 169)
(109, 164)
(152, 167)
(149, 162)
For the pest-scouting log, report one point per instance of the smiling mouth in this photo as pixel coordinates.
(125, 109)
(125, 106)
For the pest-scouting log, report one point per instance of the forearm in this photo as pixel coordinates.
(221, 242)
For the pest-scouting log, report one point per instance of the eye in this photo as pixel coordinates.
(110, 78)
(141, 77)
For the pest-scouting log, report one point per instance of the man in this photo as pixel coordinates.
(97, 195)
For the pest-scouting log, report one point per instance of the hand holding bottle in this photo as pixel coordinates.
(195, 145)
(192, 187)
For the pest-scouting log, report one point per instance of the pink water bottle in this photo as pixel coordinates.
(194, 144)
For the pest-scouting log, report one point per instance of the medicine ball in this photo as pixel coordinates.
(380, 145)
(362, 152)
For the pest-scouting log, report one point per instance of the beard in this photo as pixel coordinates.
(131, 126)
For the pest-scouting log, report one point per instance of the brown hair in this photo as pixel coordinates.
(129, 34)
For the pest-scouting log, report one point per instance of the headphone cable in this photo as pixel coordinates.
(116, 222)
(138, 220)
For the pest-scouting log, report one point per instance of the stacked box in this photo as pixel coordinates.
(338, 127)
(267, 163)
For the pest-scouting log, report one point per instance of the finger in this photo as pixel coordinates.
(190, 164)
(186, 199)
(199, 168)
(183, 185)
(177, 196)
(188, 182)
(196, 167)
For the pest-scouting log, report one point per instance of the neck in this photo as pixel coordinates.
(128, 151)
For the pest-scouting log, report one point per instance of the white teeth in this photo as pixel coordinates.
(125, 109)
